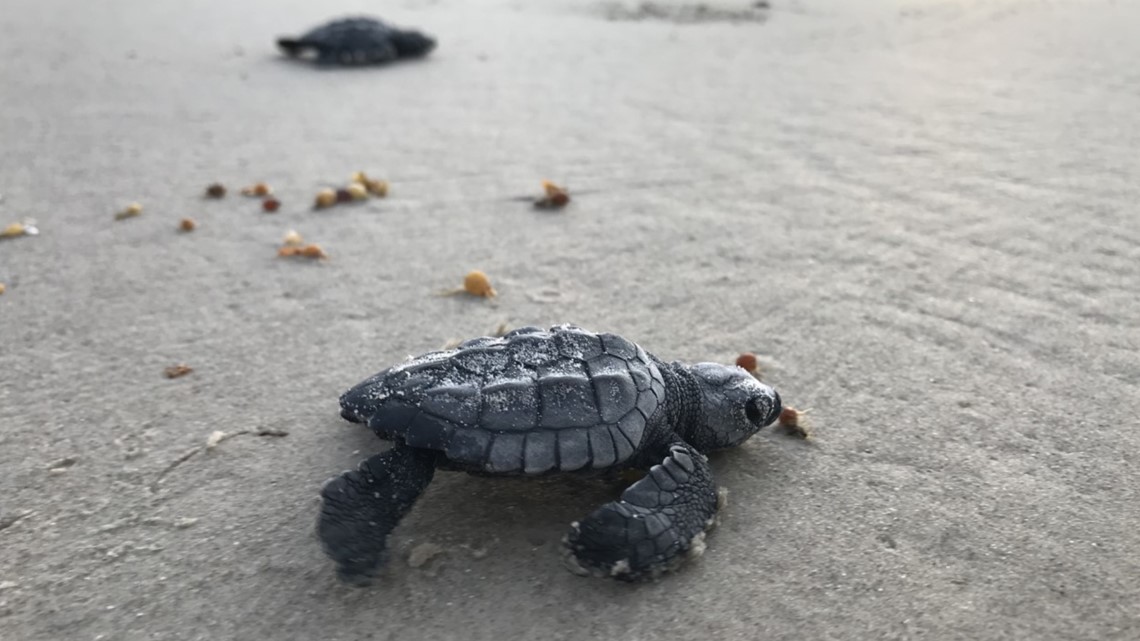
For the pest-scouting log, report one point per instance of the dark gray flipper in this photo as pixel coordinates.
(658, 523)
(361, 508)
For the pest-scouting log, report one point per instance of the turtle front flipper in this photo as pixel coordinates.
(361, 508)
(658, 523)
(292, 46)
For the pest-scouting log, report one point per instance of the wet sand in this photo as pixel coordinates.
(922, 217)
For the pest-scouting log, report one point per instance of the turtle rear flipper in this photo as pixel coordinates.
(293, 46)
(360, 508)
(659, 522)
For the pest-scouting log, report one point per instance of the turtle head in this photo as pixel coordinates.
(410, 44)
(733, 406)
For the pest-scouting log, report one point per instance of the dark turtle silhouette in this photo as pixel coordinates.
(538, 402)
(358, 41)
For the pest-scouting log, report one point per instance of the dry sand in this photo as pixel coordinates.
(922, 215)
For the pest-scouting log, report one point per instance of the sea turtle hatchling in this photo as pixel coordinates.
(358, 41)
(539, 402)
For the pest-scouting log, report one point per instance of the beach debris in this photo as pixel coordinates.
(554, 197)
(215, 437)
(325, 198)
(343, 195)
(749, 363)
(374, 186)
(256, 190)
(475, 283)
(187, 224)
(293, 239)
(270, 205)
(357, 41)
(2, 288)
(357, 191)
(306, 251)
(23, 228)
(793, 422)
(177, 371)
(269, 431)
(216, 190)
(422, 553)
(133, 210)
(60, 466)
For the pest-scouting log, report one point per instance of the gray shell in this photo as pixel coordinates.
(530, 402)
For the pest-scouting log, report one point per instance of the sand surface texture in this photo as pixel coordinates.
(921, 215)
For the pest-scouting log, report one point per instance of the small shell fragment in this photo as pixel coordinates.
(132, 210)
(216, 190)
(293, 239)
(376, 187)
(270, 205)
(555, 197)
(187, 224)
(357, 191)
(214, 438)
(325, 198)
(2, 288)
(177, 371)
(258, 190)
(25, 228)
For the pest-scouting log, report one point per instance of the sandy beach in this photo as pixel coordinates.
(922, 216)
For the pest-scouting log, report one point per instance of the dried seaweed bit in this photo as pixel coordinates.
(177, 371)
(793, 422)
(24, 228)
(133, 210)
(187, 224)
(307, 251)
(325, 198)
(554, 197)
(257, 190)
(293, 239)
(216, 190)
(270, 205)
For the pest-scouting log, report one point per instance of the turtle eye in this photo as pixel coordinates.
(753, 411)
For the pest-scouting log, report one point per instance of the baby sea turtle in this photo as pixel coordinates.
(539, 402)
(358, 41)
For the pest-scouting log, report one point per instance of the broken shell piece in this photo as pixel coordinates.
(187, 224)
(325, 198)
(555, 197)
(293, 239)
(216, 190)
(258, 190)
(214, 438)
(357, 191)
(25, 228)
(177, 371)
(358, 177)
(132, 210)
(378, 188)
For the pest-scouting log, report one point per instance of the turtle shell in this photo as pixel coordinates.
(533, 401)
